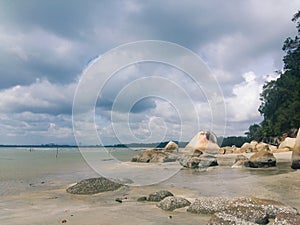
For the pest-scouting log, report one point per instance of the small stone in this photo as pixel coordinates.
(159, 195)
(171, 203)
(119, 200)
(142, 199)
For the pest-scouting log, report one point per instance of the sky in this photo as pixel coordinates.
(46, 48)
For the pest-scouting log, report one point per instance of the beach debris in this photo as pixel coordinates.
(171, 203)
(93, 186)
(158, 196)
(64, 221)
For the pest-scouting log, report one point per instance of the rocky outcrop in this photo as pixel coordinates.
(296, 153)
(262, 159)
(171, 203)
(171, 147)
(154, 156)
(159, 195)
(93, 186)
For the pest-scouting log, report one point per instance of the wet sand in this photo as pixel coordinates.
(55, 206)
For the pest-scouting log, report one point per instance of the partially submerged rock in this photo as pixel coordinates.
(93, 186)
(171, 203)
(159, 195)
(262, 159)
(201, 161)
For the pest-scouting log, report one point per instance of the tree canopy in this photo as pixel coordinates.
(280, 99)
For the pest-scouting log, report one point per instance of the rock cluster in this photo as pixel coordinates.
(248, 211)
(157, 155)
(154, 156)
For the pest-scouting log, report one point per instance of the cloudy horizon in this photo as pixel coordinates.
(45, 46)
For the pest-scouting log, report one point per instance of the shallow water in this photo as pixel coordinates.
(34, 182)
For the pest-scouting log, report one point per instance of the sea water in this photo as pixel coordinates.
(37, 169)
(23, 169)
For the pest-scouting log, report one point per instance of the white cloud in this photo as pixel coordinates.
(243, 106)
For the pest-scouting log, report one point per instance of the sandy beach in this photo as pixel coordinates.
(53, 205)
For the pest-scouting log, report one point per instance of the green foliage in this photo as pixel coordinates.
(280, 99)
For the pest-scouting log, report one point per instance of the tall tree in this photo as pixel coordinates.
(280, 99)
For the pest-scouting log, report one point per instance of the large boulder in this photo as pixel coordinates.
(288, 143)
(296, 153)
(262, 159)
(205, 141)
(93, 186)
(154, 156)
(171, 147)
(170, 203)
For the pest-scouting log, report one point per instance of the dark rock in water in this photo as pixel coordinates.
(142, 199)
(93, 186)
(262, 159)
(287, 218)
(201, 161)
(158, 196)
(209, 205)
(170, 203)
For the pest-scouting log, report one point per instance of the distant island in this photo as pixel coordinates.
(238, 141)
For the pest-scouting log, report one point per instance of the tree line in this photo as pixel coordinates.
(280, 98)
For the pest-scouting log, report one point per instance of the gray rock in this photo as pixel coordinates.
(251, 213)
(142, 199)
(287, 219)
(154, 156)
(209, 205)
(201, 161)
(170, 203)
(222, 218)
(158, 196)
(93, 186)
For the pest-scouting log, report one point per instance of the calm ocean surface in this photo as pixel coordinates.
(22, 170)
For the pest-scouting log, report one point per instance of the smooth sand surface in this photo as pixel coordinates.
(55, 206)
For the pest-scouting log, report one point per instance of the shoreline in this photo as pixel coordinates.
(55, 205)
